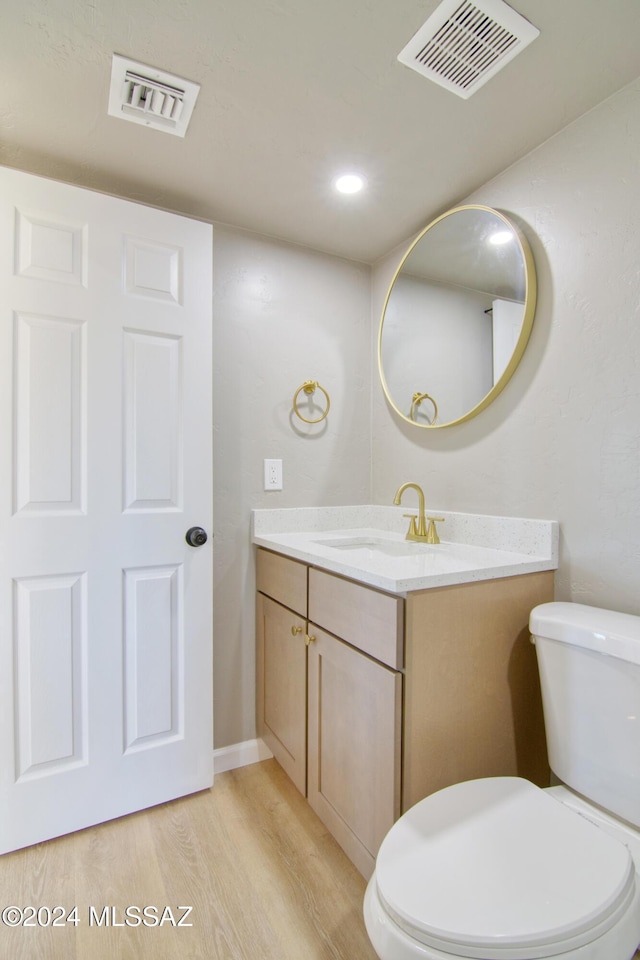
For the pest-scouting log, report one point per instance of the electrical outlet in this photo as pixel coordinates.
(273, 474)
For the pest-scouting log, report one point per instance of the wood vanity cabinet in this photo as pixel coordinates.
(371, 701)
(329, 696)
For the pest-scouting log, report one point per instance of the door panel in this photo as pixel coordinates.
(48, 247)
(153, 418)
(49, 377)
(49, 653)
(154, 656)
(105, 462)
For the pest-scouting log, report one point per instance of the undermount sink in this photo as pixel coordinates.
(389, 547)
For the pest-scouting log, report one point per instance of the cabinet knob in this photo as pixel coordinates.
(309, 640)
(296, 630)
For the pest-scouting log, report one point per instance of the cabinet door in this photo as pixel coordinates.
(281, 687)
(354, 722)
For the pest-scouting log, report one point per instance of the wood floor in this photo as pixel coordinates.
(265, 880)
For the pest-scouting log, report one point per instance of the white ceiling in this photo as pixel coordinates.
(294, 92)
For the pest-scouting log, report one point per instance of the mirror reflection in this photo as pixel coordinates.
(457, 317)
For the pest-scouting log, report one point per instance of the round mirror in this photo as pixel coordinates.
(457, 317)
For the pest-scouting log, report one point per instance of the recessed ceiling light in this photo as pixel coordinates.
(501, 236)
(349, 183)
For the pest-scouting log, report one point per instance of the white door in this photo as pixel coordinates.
(105, 462)
(507, 319)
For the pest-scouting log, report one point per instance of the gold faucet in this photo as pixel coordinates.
(416, 531)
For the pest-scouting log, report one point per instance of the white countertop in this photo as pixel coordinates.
(367, 543)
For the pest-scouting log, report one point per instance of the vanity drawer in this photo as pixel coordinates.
(367, 619)
(283, 579)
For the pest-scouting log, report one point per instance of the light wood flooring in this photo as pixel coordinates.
(265, 879)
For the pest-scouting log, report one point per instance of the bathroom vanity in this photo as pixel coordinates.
(386, 671)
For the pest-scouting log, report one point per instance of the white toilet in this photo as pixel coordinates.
(499, 869)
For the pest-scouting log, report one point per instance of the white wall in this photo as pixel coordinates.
(563, 439)
(282, 315)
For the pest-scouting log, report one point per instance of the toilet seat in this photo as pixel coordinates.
(497, 869)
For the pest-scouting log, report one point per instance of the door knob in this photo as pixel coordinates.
(196, 536)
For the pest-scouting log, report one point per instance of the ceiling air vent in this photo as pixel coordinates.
(152, 97)
(464, 43)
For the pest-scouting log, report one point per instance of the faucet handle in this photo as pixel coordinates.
(432, 533)
(412, 532)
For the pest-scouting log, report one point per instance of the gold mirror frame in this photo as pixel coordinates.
(525, 331)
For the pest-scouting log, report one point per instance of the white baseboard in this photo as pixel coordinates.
(240, 755)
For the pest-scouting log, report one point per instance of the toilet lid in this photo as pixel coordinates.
(496, 865)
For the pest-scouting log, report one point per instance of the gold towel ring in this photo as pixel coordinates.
(417, 400)
(309, 387)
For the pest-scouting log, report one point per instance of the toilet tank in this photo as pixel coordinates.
(589, 663)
